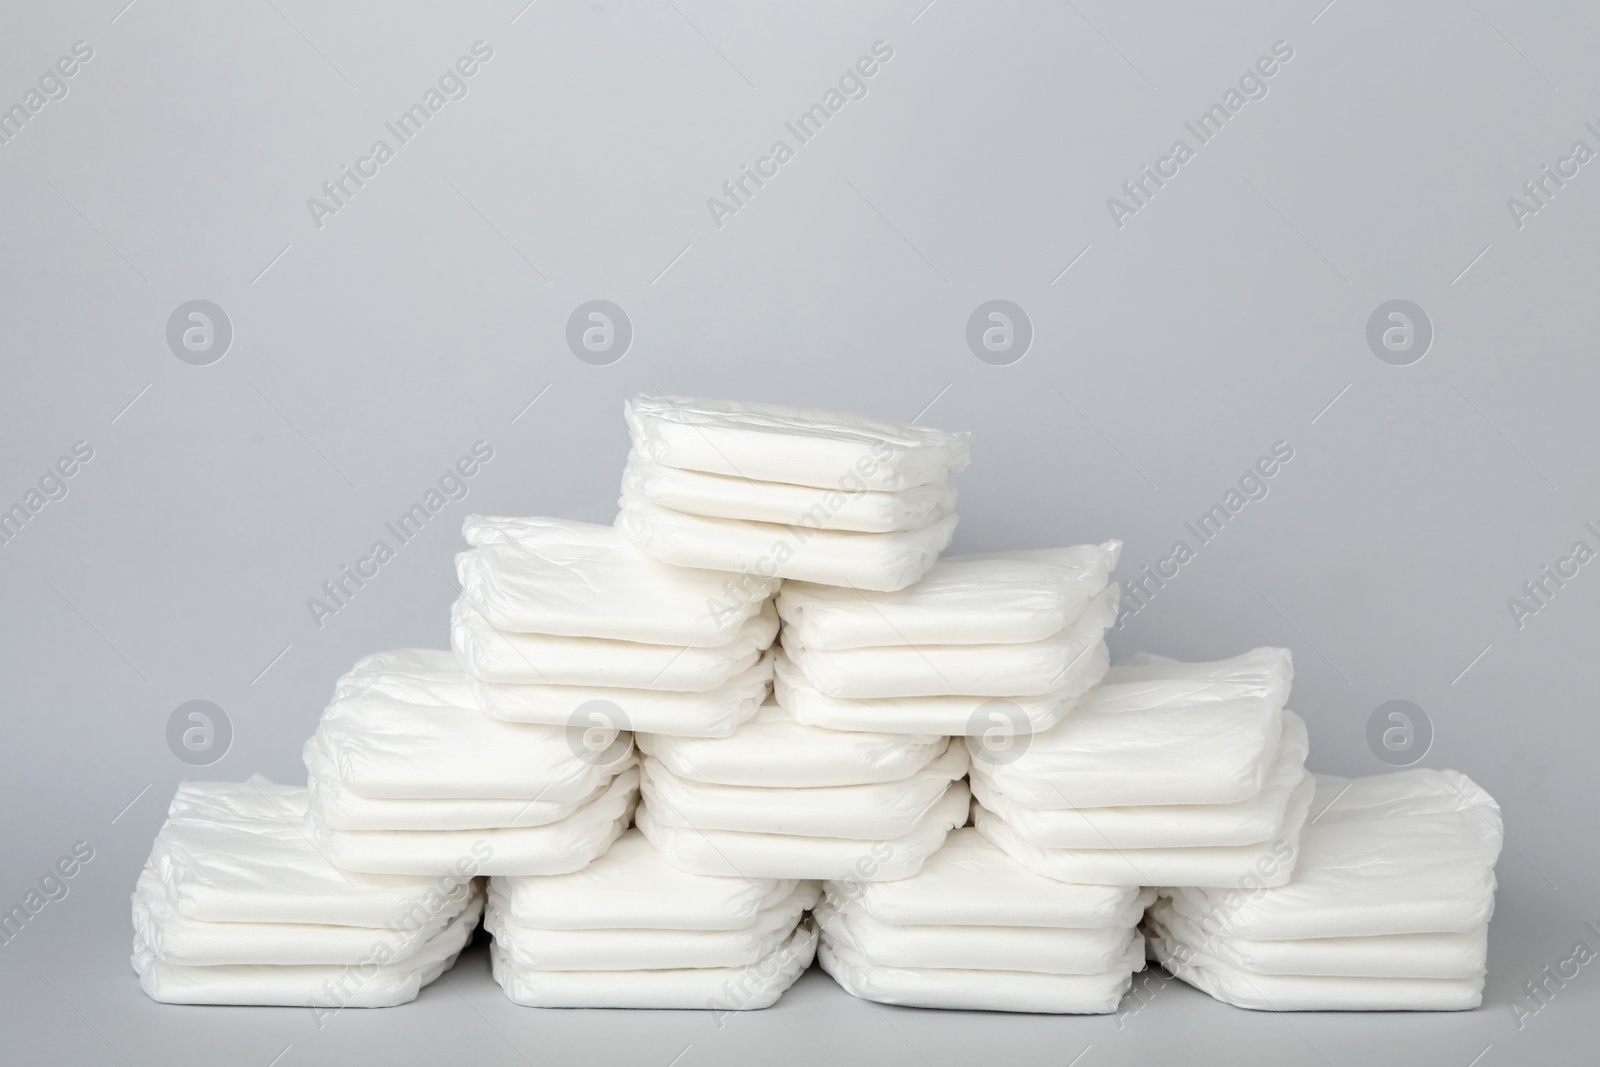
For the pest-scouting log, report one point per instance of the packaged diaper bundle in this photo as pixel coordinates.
(407, 776)
(779, 799)
(237, 906)
(567, 623)
(1388, 909)
(633, 931)
(787, 492)
(1166, 773)
(974, 929)
(1001, 641)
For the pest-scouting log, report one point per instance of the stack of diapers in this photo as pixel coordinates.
(794, 493)
(1388, 910)
(1006, 641)
(632, 931)
(567, 623)
(1167, 773)
(780, 799)
(236, 906)
(407, 777)
(974, 929)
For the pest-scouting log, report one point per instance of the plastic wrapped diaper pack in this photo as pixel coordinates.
(1388, 909)
(973, 929)
(237, 906)
(633, 931)
(1156, 731)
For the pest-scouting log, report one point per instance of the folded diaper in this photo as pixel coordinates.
(970, 882)
(951, 715)
(1285, 992)
(1157, 732)
(633, 886)
(879, 561)
(631, 930)
(800, 446)
(237, 906)
(240, 852)
(841, 507)
(1404, 853)
(1067, 659)
(370, 983)
(174, 938)
(731, 853)
(380, 745)
(996, 598)
(338, 808)
(773, 750)
(1045, 950)
(877, 811)
(577, 579)
(747, 988)
(1268, 863)
(527, 658)
(1455, 955)
(554, 848)
(634, 949)
(974, 929)
(1243, 822)
(1388, 909)
(974, 990)
(713, 713)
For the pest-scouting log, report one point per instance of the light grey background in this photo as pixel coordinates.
(368, 354)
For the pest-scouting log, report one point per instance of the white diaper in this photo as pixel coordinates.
(800, 446)
(847, 507)
(997, 598)
(577, 579)
(879, 561)
(773, 750)
(525, 658)
(732, 853)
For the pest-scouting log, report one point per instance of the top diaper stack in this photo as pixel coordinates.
(780, 492)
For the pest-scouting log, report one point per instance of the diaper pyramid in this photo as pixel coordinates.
(759, 721)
